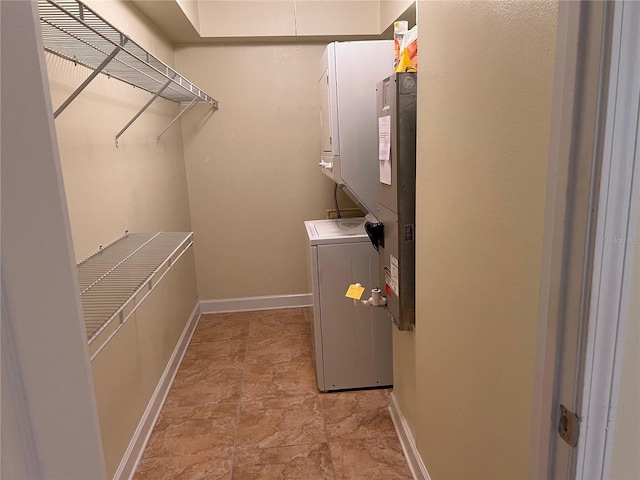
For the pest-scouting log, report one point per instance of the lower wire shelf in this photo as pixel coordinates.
(115, 281)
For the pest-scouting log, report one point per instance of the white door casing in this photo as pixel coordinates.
(49, 417)
(584, 137)
(567, 229)
(614, 247)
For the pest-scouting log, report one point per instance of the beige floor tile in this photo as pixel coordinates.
(193, 431)
(357, 414)
(369, 459)
(281, 422)
(241, 316)
(281, 349)
(245, 403)
(221, 326)
(213, 466)
(284, 312)
(299, 462)
(282, 380)
(279, 323)
(208, 386)
(308, 315)
(224, 354)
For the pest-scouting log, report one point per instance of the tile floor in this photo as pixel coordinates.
(244, 405)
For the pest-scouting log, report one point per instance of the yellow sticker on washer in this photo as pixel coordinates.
(355, 291)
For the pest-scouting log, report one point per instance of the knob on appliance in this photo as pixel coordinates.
(327, 165)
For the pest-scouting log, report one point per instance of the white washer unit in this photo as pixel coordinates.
(351, 344)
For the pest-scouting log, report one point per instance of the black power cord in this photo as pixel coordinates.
(335, 201)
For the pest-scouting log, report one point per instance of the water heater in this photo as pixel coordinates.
(395, 233)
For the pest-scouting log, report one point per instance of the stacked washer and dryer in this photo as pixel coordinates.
(352, 344)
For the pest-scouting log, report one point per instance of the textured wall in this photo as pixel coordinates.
(252, 167)
(484, 107)
(139, 186)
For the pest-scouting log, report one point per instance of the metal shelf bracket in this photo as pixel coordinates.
(84, 84)
(178, 117)
(135, 117)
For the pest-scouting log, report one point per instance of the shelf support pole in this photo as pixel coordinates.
(135, 117)
(180, 115)
(84, 84)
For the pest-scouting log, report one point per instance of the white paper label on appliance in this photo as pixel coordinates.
(393, 284)
(384, 149)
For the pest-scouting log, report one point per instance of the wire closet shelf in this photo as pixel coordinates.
(73, 31)
(115, 281)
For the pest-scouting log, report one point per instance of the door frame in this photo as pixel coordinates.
(50, 426)
(615, 245)
(586, 135)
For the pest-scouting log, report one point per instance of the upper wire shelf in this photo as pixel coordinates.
(73, 31)
(76, 33)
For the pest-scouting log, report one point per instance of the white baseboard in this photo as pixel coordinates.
(246, 304)
(134, 452)
(416, 465)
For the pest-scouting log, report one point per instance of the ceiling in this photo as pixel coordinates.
(169, 17)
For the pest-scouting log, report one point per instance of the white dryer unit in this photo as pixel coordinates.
(349, 72)
(351, 344)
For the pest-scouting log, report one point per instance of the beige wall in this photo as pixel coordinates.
(191, 9)
(391, 10)
(128, 369)
(484, 107)
(404, 377)
(127, 18)
(140, 187)
(626, 462)
(252, 167)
